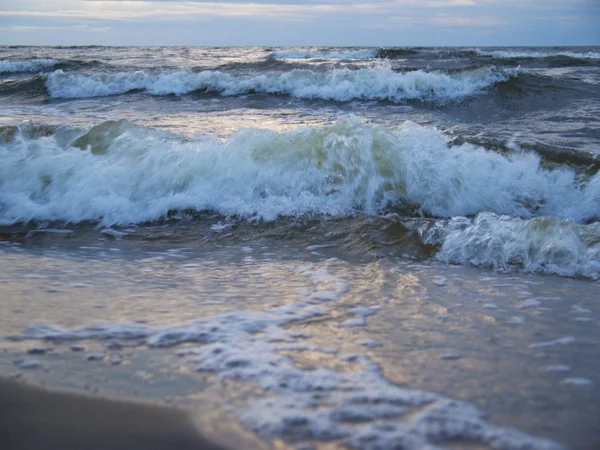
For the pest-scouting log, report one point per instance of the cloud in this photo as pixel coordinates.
(458, 21)
(297, 22)
(145, 8)
(26, 28)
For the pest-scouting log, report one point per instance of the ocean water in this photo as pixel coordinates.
(304, 186)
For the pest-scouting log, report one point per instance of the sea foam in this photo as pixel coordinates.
(372, 83)
(360, 406)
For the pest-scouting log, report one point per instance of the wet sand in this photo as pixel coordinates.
(33, 418)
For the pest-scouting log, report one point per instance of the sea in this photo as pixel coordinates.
(364, 248)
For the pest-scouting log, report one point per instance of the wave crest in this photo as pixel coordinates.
(374, 83)
(538, 54)
(27, 65)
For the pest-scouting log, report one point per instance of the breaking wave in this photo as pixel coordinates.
(537, 54)
(545, 245)
(28, 65)
(118, 173)
(374, 83)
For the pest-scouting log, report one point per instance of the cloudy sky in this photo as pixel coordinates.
(296, 22)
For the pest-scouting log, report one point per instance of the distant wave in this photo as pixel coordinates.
(27, 65)
(25, 88)
(325, 54)
(396, 52)
(374, 83)
(538, 54)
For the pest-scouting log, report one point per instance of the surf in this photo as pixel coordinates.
(373, 83)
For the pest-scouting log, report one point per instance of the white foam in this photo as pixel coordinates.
(559, 341)
(357, 322)
(542, 244)
(577, 381)
(529, 303)
(29, 363)
(360, 320)
(558, 368)
(319, 246)
(203, 330)
(576, 309)
(537, 54)
(439, 281)
(328, 287)
(32, 275)
(362, 311)
(372, 83)
(27, 65)
(325, 54)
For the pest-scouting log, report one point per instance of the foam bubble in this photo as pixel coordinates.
(29, 363)
(558, 368)
(439, 281)
(559, 341)
(576, 309)
(577, 381)
(529, 303)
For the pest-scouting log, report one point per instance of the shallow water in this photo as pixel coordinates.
(401, 334)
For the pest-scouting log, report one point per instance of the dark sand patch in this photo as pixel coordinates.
(35, 418)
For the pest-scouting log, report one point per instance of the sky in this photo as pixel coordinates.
(301, 23)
